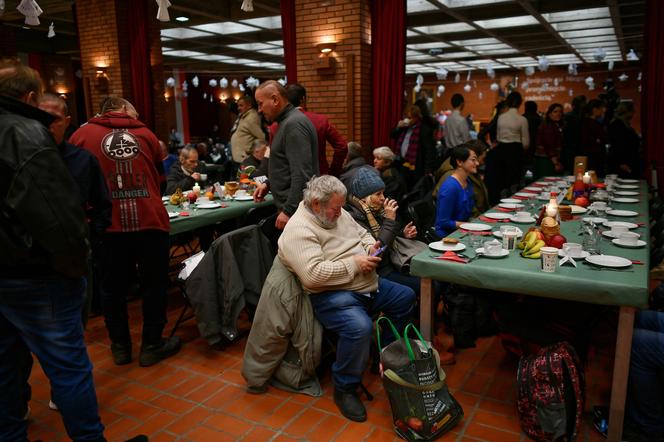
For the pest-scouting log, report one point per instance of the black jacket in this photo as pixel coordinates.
(178, 180)
(42, 225)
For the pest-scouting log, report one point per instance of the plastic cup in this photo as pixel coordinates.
(508, 234)
(549, 259)
(572, 249)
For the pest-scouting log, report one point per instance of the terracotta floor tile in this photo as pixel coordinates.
(258, 434)
(119, 429)
(354, 431)
(135, 409)
(188, 384)
(284, 438)
(260, 407)
(283, 415)
(328, 428)
(305, 422)
(206, 434)
(172, 404)
(490, 434)
(162, 436)
(140, 393)
(156, 423)
(206, 390)
(326, 403)
(506, 408)
(476, 383)
(189, 420)
(224, 397)
(382, 435)
(500, 421)
(229, 424)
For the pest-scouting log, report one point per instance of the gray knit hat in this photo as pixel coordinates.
(365, 182)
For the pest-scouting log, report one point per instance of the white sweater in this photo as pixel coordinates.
(323, 258)
(513, 128)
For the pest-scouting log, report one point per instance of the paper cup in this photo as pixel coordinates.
(549, 259)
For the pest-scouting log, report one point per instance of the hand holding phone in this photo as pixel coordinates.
(379, 251)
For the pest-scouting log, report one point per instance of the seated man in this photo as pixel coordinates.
(186, 171)
(257, 158)
(331, 255)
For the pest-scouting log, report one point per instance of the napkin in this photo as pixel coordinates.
(452, 256)
(486, 219)
(472, 232)
(566, 259)
(184, 213)
(529, 191)
(502, 209)
(520, 197)
(637, 262)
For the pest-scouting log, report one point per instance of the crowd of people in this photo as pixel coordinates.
(339, 220)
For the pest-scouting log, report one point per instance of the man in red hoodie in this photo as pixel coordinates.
(129, 156)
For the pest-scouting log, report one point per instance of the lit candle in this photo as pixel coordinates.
(196, 189)
(586, 178)
(551, 210)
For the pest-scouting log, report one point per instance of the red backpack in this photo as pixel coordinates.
(551, 393)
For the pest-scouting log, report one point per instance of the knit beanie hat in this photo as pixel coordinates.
(365, 182)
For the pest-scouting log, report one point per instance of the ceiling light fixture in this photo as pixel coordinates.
(182, 18)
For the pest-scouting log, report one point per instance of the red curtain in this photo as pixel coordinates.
(288, 30)
(652, 105)
(388, 58)
(139, 56)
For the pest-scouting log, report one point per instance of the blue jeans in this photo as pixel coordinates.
(45, 316)
(646, 386)
(348, 314)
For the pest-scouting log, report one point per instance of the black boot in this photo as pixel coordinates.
(350, 405)
(151, 354)
(121, 353)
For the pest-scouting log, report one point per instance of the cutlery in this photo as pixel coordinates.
(610, 269)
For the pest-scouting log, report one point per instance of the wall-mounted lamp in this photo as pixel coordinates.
(325, 61)
(101, 79)
(326, 48)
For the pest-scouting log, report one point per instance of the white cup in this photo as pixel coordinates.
(492, 248)
(599, 205)
(240, 192)
(522, 215)
(204, 177)
(573, 250)
(629, 238)
(549, 259)
(618, 230)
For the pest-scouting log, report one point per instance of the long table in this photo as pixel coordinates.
(198, 218)
(514, 274)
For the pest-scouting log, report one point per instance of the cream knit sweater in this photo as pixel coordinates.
(323, 258)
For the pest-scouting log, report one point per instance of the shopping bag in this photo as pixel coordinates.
(422, 406)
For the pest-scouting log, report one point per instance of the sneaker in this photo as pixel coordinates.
(121, 353)
(151, 354)
(350, 405)
(139, 438)
(52, 405)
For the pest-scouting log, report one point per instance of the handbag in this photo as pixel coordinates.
(402, 252)
(422, 406)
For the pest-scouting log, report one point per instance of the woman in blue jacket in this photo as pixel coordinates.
(455, 197)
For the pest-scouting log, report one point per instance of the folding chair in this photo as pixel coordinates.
(189, 266)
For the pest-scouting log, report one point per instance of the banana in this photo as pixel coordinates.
(531, 239)
(536, 247)
(534, 255)
(521, 245)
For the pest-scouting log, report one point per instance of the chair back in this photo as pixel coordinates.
(423, 214)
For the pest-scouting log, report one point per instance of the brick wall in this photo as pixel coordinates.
(344, 95)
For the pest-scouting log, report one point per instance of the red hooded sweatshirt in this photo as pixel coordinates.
(130, 158)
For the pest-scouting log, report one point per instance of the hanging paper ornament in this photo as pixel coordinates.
(556, 81)
(599, 54)
(212, 82)
(623, 77)
(545, 86)
(162, 11)
(419, 80)
(185, 86)
(494, 87)
(571, 69)
(31, 10)
(457, 78)
(639, 88)
(638, 77)
(170, 82)
(467, 88)
(570, 92)
(223, 83)
(252, 82)
(282, 81)
(530, 71)
(441, 90)
(589, 80)
(480, 95)
(194, 81)
(543, 63)
(2, 7)
(468, 76)
(610, 67)
(631, 55)
(441, 74)
(490, 72)
(524, 85)
(204, 95)
(51, 30)
(417, 88)
(241, 87)
(234, 83)
(211, 99)
(247, 5)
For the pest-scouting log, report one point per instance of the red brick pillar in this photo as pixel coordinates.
(342, 92)
(102, 31)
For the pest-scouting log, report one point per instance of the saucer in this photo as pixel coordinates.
(524, 220)
(619, 242)
(440, 246)
(497, 215)
(503, 253)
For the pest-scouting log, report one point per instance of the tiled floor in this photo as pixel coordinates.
(198, 395)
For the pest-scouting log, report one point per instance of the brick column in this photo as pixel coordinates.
(103, 40)
(344, 93)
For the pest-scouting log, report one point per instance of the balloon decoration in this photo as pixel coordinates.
(441, 74)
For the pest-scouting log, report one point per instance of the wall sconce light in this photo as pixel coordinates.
(326, 48)
(101, 79)
(324, 61)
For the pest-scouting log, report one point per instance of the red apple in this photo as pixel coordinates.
(582, 201)
(192, 197)
(557, 241)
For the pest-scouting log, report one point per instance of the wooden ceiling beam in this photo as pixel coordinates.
(617, 26)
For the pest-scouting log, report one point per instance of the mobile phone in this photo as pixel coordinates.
(379, 251)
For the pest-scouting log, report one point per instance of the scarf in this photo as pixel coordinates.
(413, 143)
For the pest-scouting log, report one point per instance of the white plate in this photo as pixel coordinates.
(628, 180)
(583, 254)
(577, 210)
(499, 234)
(625, 200)
(475, 227)
(209, 206)
(165, 198)
(166, 203)
(510, 200)
(173, 215)
(615, 212)
(595, 219)
(510, 205)
(620, 243)
(610, 224)
(243, 198)
(503, 253)
(524, 194)
(537, 189)
(609, 261)
(551, 178)
(626, 193)
(528, 220)
(610, 234)
(497, 215)
(541, 184)
(439, 246)
(627, 186)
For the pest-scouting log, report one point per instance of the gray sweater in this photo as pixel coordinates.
(293, 158)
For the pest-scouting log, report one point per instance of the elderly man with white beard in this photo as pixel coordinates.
(333, 257)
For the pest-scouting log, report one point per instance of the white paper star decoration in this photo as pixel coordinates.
(247, 5)
(480, 95)
(204, 95)
(252, 82)
(223, 83)
(610, 67)
(524, 85)
(556, 81)
(530, 71)
(468, 76)
(241, 86)
(490, 72)
(51, 30)
(494, 87)
(417, 88)
(467, 88)
(571, 69)
(638, 77)
(31, 10)
(212, 82)
(170, 82)
(420, 79)
(631, 55)
(590, 81)
(162, 11)
(623, 77)
(234, 83)
(599, 54)
(457, 78)
(440, 91)
(543, 63)
(570, 92)
(441, 74)
(282, 81)
(194, 81)
(211, 98)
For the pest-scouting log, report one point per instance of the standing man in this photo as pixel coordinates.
(43, 238)
(293, 153)
(245, 131)
(130, 157)
(456, 126)
(325, 131)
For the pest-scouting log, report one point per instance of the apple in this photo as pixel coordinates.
(192, 197)
(582, 201)
(557, 241)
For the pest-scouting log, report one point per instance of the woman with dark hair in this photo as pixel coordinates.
(593, 136)
(455, 197)
(624, 143)
(549, 143)
(415, 146)
(506, 166)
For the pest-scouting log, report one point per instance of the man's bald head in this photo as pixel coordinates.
(19, 81)
(271, 98)
(119, 104)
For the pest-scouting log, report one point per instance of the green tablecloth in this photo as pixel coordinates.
(520, 275)
(205, 217)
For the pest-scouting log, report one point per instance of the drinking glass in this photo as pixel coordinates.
(475, 241)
